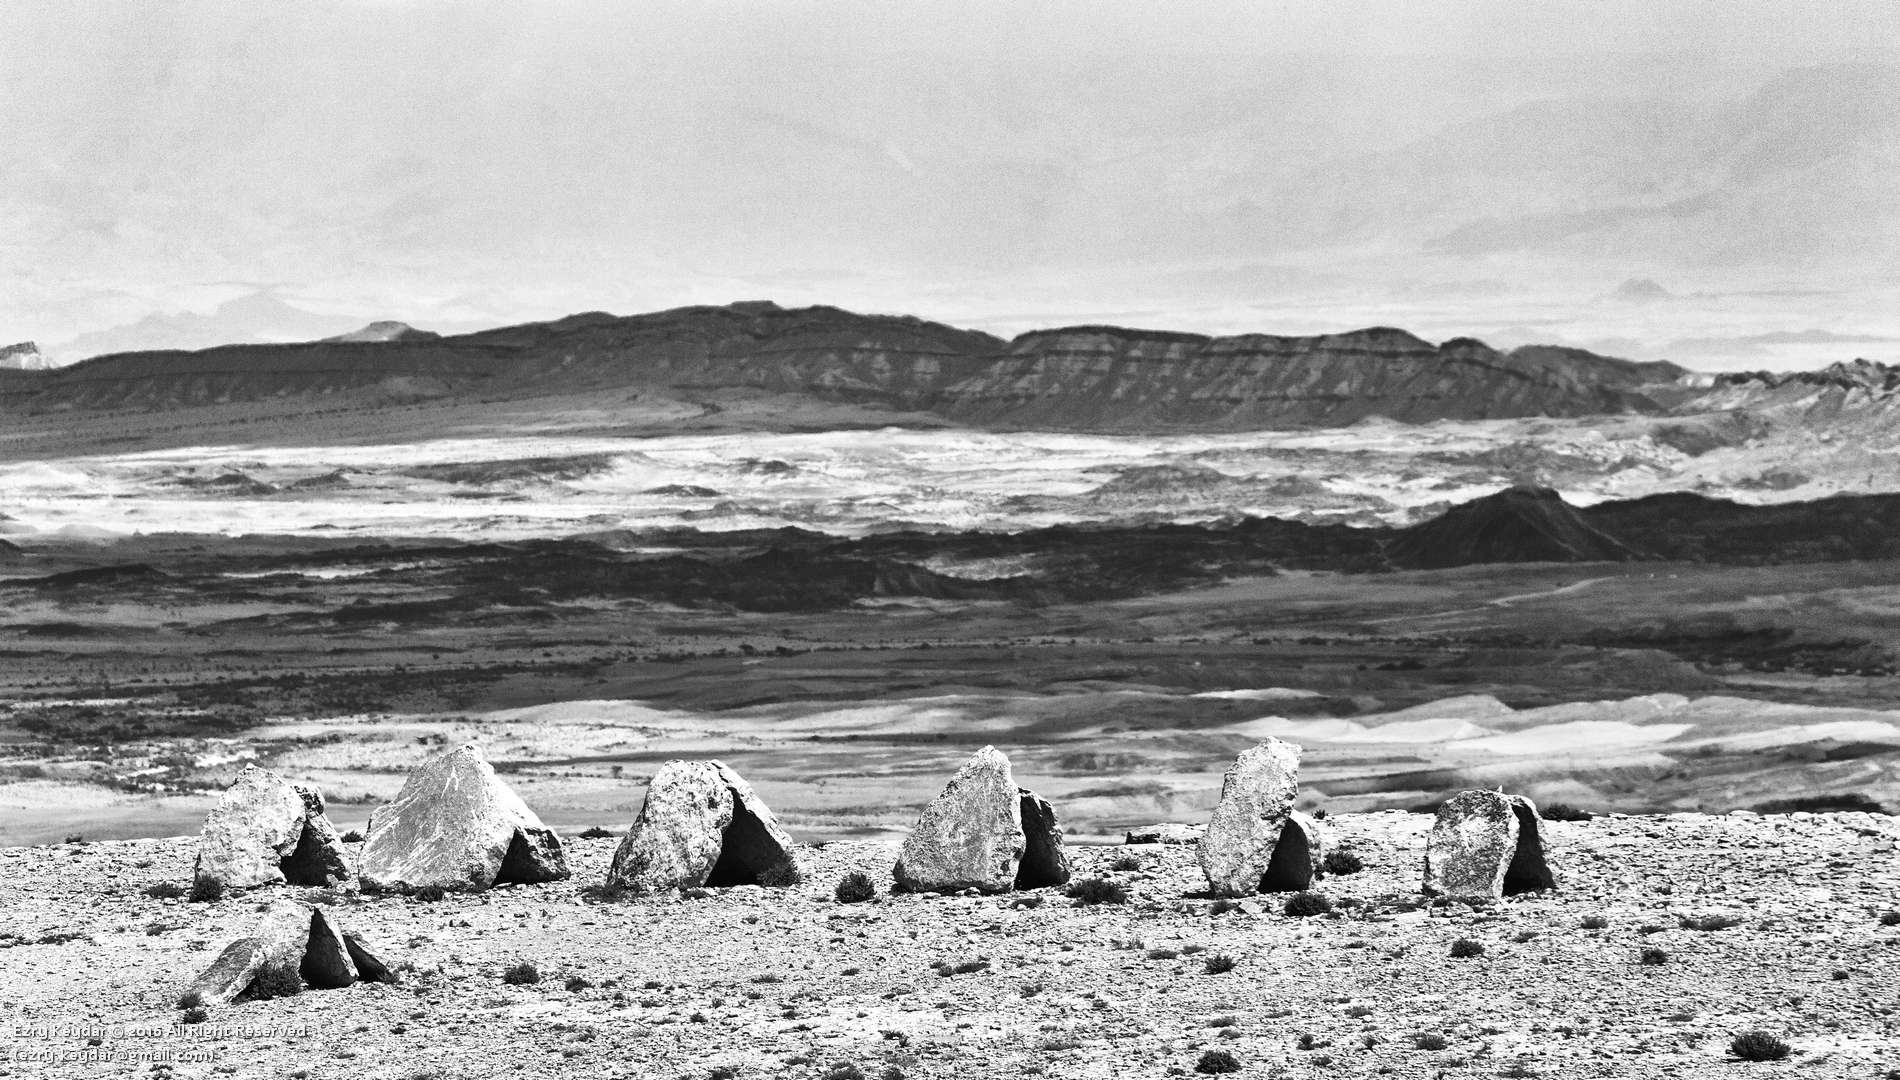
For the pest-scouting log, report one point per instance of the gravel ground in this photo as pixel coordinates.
(790, 983)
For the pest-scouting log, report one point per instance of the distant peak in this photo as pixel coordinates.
(386, 330)
(24, 356)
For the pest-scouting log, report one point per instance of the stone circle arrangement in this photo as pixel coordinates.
(456, 826)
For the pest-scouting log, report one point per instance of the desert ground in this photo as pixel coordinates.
(789, 982)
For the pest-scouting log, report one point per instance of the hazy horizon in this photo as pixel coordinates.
(1474, 170)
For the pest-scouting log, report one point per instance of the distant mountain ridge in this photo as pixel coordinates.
(1085, 378)
(24, 356)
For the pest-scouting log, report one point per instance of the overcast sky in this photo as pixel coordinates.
(1496, 168)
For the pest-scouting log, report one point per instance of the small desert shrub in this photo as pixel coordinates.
(1650, 928)
(605, 892)
(207, 890)
(1222, 907)
(1126, 863)
(76, 838)
(275, 981)
(354, 836)
(1595, 922)
(1524, 936)
(1030, 989)
(521, 974)
(595, 832)
(781, 875)
(193, 1016)
(1709, 922)
(575, 984)
(768, 977)
(1306, 904)
(1654, 957)
(1430, 1040)
(1465, 948)
(1319, 813)
(1359, 1012)
(1890, 918)
(1564, 812)
(1217, 1061)
(1022, 902)
(855, 888)
(844, 1070)
(428, 894)
(1222, 1022)
(165, 890)
(1343, 861)
(190, 999)
(1163, 954)
(1758, 1046)
(1097, 890)
(1218, 964)
(722, 1072)
(1056, 1046)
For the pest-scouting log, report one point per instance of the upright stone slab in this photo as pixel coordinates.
(290, 936)
(983, 832)
(701, 824)
(266, 830)
(457, 826)
(1486, 844)
(1255, 841)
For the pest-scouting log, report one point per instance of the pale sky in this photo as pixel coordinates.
(1480, 167)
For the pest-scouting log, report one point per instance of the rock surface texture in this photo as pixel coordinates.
(457, 826)
(1486, 844)
(291, 936)
(1255, 840)
(701, 824)
(983, 832)
(268, 831)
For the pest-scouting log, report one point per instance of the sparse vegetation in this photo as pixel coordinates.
(428, 894)
(1307, 904)
(1217, 1061)
(1343, 861)
(1564, 812)
(165, 890)
(354, 836)
(1708, 923)
(1653, 957)
(1126, 863)
(1429, 1040)
(1098, 890)
(523, 973)
(1890, 918)
(1595, 922)
(1465, 948)
(206, 890)
(275, 981)
(595, 832)
(781, 875)
(1758, 1046)
(855, 888)
(190, 999)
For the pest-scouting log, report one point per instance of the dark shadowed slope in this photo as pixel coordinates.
(1084, 378)
(1520, 524)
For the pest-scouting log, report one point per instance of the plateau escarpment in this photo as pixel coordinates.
(1081, 378)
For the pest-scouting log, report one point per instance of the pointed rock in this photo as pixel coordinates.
(701, 824)
(983, 832)
(266, 831)
(1255, 841)
(290, 936)
(1486, 844)
(457, 826)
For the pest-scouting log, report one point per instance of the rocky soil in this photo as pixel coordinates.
(751, 982)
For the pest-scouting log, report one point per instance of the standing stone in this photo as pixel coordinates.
(291, 936)
(1486, 844)
(983, 832)
(457, 826)
(268, 831)
(1256, 841)
(701, 824)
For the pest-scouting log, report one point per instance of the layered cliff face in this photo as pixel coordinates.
(1084, 378)
(24, 356)
(1105, 378)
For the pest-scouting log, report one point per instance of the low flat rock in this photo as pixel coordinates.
(701, 825)
(456, 825)
(1256, 800)
(1486, 844)
(970, 836)
(267, 830)
(281, 939)
(1165, 833)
